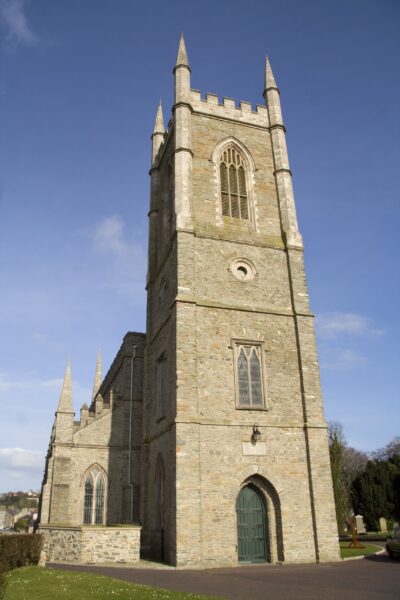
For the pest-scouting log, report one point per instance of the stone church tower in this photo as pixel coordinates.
(207, 437)
(235, 461)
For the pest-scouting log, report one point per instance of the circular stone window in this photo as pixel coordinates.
(243, 270)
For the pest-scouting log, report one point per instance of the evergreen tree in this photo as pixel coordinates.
(376, 493)
(336, 445)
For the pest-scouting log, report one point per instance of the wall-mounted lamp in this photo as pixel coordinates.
(256, 435)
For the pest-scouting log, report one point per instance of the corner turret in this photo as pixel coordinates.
(97, 377)
(84, 414)
(64, 420)
(182, 73)
(269, 79)
(282, 170)
(157, 137)
(183, 139)
(65, 402)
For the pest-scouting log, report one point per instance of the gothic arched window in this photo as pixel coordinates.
(249, 376)
(234, 196)
(94, 498)
(99, 506)
(88, 500)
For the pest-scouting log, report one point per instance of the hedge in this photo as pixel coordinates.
(2, 579)
(19, 550)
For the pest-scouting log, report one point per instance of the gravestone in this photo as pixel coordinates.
(360, 526)
(383, 525)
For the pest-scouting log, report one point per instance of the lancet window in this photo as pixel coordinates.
(94, 498)
(234, 195)
(250, 389)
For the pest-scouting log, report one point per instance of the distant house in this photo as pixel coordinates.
(6, 518)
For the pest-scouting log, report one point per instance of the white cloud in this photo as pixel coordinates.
(28, 383)
(109, 236)
(39, 337)
(19, 461)
(13, 15)
(18, 390)
(333, 325)
(128, 258)
(45, 341)
(341, 359)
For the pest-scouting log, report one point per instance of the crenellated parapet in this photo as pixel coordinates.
(98, 409)
(228, 108)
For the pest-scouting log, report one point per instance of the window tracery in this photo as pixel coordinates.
(234, 195)
(94, 498)
(250, 389)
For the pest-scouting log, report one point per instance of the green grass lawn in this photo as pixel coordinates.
(346, 552)
(34, 583)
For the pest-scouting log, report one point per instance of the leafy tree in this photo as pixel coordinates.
(346, 464)
(376, 493)
(336, 445)
(367, 487)
(21, 501)
(388, 451)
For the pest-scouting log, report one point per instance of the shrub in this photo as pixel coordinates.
(22, 525)
(19, 550)
(2, 578)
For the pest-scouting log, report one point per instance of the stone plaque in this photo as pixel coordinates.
(250, 449)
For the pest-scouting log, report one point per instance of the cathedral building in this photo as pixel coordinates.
(205, 444)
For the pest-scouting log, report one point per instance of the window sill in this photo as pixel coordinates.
(255, 408)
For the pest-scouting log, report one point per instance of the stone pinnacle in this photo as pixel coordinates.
(65, 403)
(97, 377)
(182, 58)
(269, 81)
(159, 124)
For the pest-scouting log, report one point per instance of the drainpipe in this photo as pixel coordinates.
(130, 482)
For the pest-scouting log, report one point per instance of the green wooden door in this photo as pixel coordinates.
(251, 526)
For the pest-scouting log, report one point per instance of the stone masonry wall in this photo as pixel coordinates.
(62, 544)
(214, 310)
(91, 544)
(204, 439)
(101, 440)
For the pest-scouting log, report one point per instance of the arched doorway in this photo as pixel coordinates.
(251, 526)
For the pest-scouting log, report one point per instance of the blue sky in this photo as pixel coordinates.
(79, 87)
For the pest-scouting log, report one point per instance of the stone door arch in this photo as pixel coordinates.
(260, 493)
(252, 526)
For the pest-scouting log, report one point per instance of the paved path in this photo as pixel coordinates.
(373, 578)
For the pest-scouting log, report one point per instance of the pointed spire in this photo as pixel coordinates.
(158, 134)
(182, 58)
(159, 124)
(65, 403)
(269, 82)
(97, 377)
